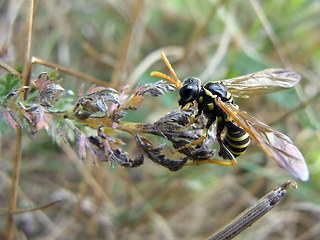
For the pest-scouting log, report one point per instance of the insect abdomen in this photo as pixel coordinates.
(236, 140)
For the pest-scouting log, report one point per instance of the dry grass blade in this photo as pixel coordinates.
(254, 213)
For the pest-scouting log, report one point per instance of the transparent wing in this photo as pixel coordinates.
(262, 82)
(277, 145)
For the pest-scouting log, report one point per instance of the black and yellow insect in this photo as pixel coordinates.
(215, 101)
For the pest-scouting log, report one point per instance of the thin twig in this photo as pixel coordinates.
(254, 213)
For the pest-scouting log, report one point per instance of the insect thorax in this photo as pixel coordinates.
(217, 90)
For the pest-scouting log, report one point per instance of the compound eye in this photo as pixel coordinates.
(187, 92)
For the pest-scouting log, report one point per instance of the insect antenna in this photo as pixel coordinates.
(176, 82)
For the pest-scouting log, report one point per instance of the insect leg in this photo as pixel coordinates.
(226, 154)
(203, 136)
(211, 160)
(193, 118)
(224, 151)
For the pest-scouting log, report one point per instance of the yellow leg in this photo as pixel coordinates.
(199, 140)
(214, 161)
(192, 120)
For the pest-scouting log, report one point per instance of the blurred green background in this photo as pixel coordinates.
(120, 42)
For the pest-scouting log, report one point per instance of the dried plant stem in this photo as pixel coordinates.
(107, 122)
(302, 105)
(14, 184)
(21, 211)
(84, 190)
(8, 68)
(96, 122)
(199, 31)
(27, 53)
(90, 180)
(254, 213)
(71, 72)
(282, 56)
(116, 81)
(268, 27)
